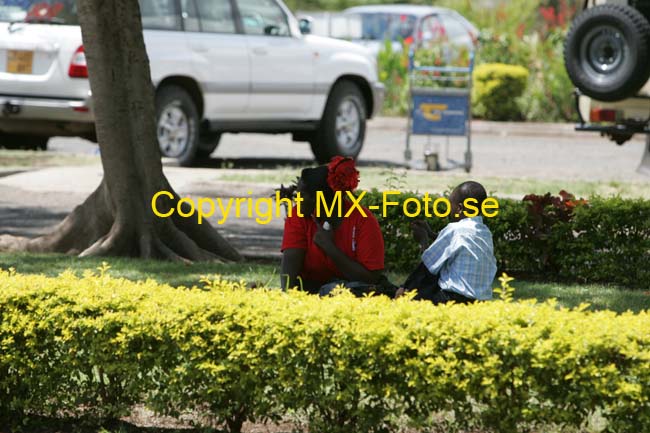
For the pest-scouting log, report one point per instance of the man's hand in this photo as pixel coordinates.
(400, 292)
(422, 233)
(324, 238)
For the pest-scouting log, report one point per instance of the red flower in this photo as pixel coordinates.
(342, 174)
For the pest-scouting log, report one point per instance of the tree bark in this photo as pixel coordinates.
(117, 219)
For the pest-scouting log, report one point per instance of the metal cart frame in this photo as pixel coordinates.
(440, 111)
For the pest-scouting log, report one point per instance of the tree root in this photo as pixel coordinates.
(93, 229)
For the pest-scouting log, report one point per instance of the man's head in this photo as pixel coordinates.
(462, 192)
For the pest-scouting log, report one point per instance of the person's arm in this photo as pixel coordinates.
(422, 234)
(351, 269)
(290, 267)
(442, 249)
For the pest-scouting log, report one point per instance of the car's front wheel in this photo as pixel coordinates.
(208, 143)
(177, 125)
(27, 142)
(343, 126)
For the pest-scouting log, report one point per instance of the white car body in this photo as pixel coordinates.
(239, 82)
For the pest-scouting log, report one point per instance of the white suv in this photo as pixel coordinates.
(217, 65)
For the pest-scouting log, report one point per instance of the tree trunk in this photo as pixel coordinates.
(117, 218)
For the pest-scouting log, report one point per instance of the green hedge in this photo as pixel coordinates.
(95, 346)
(607, 240)
(497, 89)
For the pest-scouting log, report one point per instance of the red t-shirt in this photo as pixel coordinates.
(358, 237)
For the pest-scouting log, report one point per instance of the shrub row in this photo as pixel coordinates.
(607, 240)
(95, 346)
(496, 90)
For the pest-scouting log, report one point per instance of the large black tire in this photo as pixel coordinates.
(606, 52)
(177, 124)
(207, 144)
(325, 142)
(26, 142)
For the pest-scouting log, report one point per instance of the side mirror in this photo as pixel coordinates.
(305, 25)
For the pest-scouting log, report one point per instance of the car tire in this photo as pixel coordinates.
(606, 52)
(177, 121)
(342, 128)
(25, 142)
(207, 144)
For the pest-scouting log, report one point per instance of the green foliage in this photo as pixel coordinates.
(549, 95)
(607, 240)
(497, 88)
(508, 48)
(97, 345)
(527, 33)
(393, 72)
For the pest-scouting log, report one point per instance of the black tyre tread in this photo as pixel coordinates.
(628, 87)
(171, 92)
(208, 144)
(23, 142)
(323, 143)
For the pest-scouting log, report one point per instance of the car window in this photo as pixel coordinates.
(59, 11)
(216, 16)
(381, 26)
(191, 22)
(263, 17)
(456, 31)
(159, 15)
(432, 30)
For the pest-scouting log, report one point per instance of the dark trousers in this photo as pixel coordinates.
(439, 296)
(427, 288)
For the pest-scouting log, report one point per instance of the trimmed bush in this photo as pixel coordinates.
(496, 90)
(97, 345)
(606, 241)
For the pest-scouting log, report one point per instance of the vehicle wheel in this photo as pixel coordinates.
(177, 125)
(606, 52)
(343, 126)
(26, 142)
(38, 143)
(207, 144)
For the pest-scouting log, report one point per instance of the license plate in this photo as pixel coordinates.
(20, 62)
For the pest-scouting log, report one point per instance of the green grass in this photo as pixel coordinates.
(437, 182)
(16, 159)
(599, 296)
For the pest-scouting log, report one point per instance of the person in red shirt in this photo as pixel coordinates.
(319, 253)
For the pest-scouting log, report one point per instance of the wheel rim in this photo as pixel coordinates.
(603, 53)
(348, 125)
(173, 131)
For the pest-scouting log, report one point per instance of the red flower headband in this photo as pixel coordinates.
(342, 175)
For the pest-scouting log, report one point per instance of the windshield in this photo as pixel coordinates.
(381, 26)
(53, 11)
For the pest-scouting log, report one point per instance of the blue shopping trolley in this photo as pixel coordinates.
(440, 105)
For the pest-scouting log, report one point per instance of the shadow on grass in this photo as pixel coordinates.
(174, 274)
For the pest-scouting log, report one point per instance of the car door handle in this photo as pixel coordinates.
(260, 51)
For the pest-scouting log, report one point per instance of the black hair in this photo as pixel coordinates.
(470, 189)
(315, 179)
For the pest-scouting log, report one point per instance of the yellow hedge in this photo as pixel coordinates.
(96, 345)
(497, 88)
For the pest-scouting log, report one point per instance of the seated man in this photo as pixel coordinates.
(459, 265)
(321, 252)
